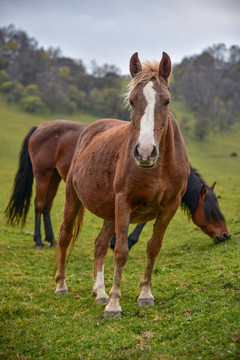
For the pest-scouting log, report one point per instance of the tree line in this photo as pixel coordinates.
(209, 83)
(37, 79)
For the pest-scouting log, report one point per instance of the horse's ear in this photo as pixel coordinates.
(135, 65)
(213, 185)
(165, 67)
(203, 192)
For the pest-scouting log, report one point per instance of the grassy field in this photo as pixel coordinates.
(196, 284)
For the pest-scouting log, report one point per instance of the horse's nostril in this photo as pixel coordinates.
(154, 152)
(226, 236)
(217, 239)
(136, 152)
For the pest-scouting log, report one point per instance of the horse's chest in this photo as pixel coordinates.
(148, 200)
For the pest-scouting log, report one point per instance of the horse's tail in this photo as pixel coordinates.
(18, 206)
(76, 230)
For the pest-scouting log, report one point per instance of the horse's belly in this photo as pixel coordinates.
(102, 209)
(138, 217)
(96, 192)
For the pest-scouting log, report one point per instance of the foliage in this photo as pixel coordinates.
(61, 83)
(13, 89)
(196, 283)
(210, 86)
(32, 103)
(31, 89)
(3, 76)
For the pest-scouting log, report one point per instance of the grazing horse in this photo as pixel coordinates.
(200, 202)
(126, 173)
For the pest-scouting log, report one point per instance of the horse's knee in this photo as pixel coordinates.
(39, 206)
(121, 255)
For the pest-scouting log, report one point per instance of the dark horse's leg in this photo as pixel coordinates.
(52, 190)
(42, 184)
(37, 232)
(132, 238)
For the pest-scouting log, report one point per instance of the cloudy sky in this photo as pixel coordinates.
(110, 31)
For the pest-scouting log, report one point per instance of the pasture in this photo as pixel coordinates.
(196, 284)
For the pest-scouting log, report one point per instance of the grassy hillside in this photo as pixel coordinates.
(195, 282)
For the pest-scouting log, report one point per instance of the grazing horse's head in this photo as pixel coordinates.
(149, 98)
(208, 215)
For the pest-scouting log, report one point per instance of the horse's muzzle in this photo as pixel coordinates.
(146, 160)
(221, 238)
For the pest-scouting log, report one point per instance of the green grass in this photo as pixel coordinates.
(196, 284)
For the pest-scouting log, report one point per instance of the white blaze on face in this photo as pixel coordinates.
(146, 136)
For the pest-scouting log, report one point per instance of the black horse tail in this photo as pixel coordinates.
(18, 206)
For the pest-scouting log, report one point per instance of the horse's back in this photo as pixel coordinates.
(53, 144)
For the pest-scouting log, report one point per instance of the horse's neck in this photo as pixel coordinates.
(170, 139)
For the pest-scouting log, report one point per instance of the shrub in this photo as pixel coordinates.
(32, 104)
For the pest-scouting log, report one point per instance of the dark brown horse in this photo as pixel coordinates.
(127, 173)
(46, 154)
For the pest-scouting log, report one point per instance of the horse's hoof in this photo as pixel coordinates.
(61, 289)
(102, 300)
(39, 247)
(53, 244)
(144, 302)
(112, 314)
(61, 292)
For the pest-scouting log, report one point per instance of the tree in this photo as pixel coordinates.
(32, 104)
(53, 96)
(201, 127)
(4, 77)
(13, 90)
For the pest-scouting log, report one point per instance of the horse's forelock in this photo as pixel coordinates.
(150, 71)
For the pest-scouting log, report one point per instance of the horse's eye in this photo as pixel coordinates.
(131, 102)
(166, 102)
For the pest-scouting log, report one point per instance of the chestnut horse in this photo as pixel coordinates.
(46, 154)
(126, 173)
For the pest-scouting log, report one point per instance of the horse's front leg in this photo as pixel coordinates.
(101, 248)
(122, 217)
(153, 247)
(70, 225)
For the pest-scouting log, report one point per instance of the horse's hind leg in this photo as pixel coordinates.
(52, 190)
(37, 230)
(73, 212)
(101, 248)
(42, 183)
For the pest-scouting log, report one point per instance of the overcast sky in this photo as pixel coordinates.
(111, 31)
